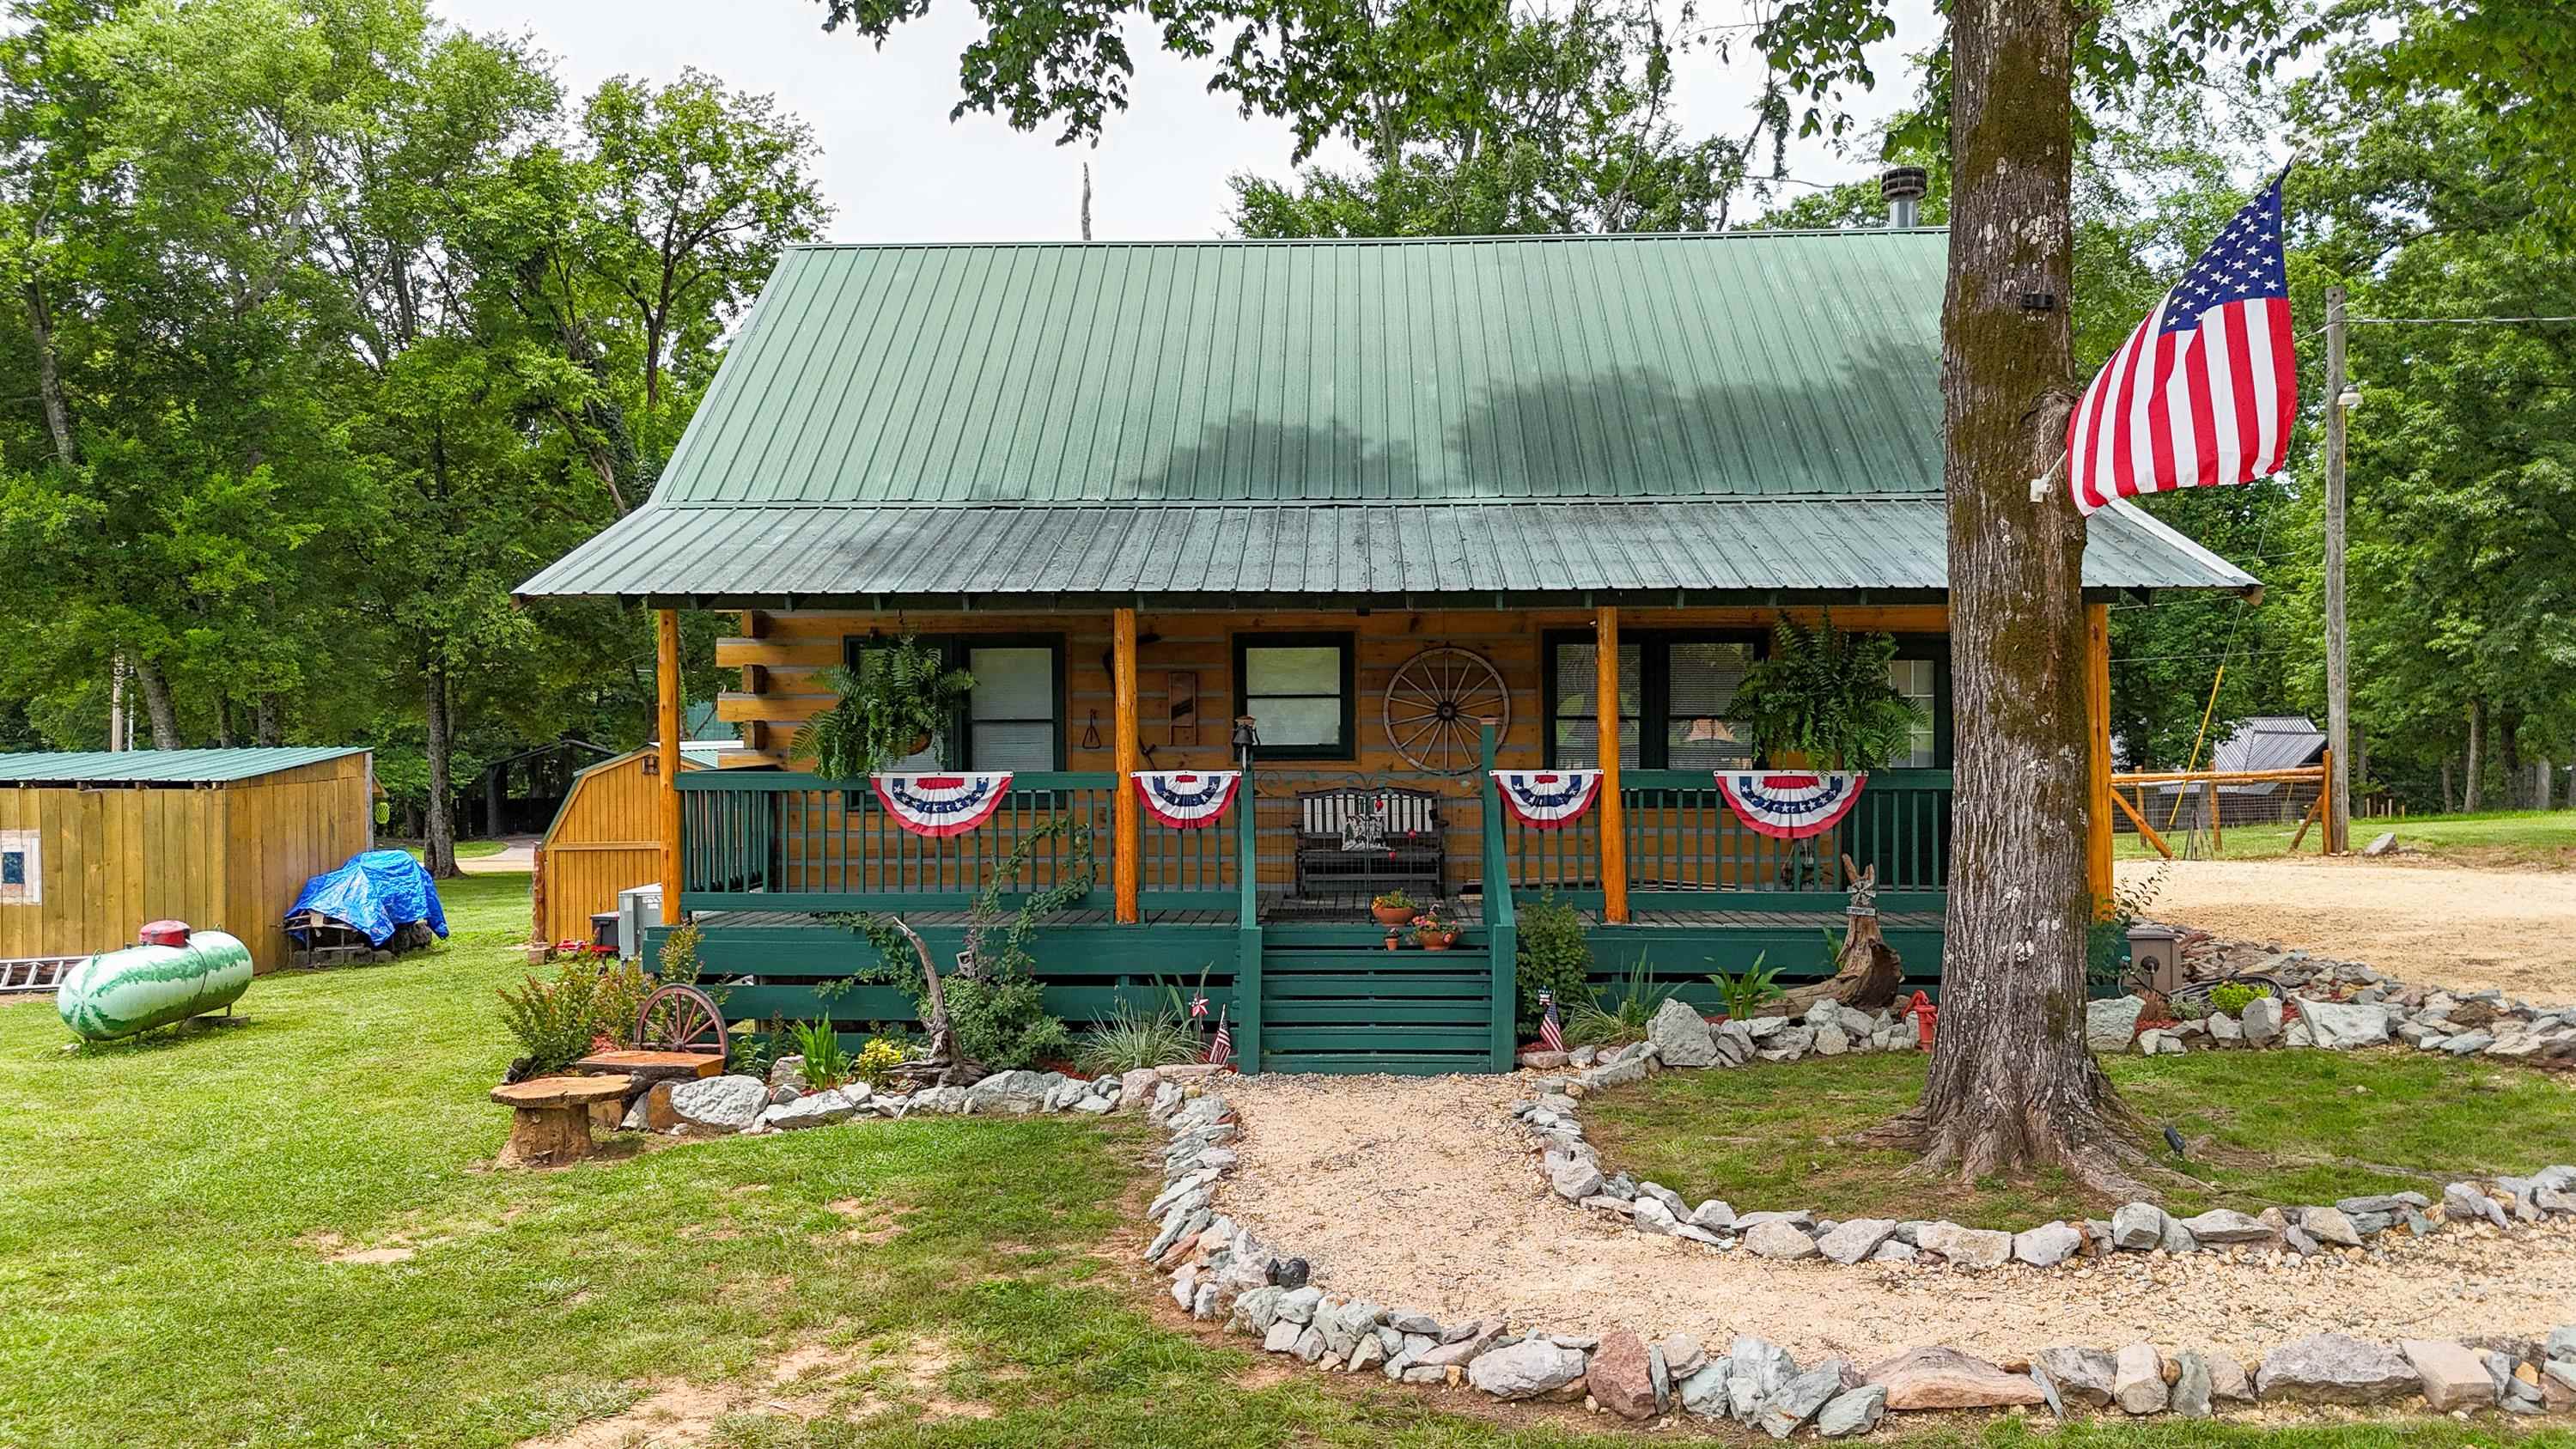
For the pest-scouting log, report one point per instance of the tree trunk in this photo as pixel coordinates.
(270, 722)
(2541, 784)
(2012, 1086)
(49, 381)
(438, 837)
(2450, 797)
(2470, 794)
(2360, 771)
(156, 704)
(2509, 750)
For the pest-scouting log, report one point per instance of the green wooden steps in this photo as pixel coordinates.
(1334, 999)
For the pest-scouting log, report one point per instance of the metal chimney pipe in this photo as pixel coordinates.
(1902, 187)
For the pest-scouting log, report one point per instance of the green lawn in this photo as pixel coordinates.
(173, 1212)
(465, 849)
(2263, 1128)
(2543, 838)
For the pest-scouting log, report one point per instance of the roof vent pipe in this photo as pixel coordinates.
(1903, 188)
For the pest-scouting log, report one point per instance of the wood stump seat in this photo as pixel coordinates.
(550, 1117)
(648, 1067)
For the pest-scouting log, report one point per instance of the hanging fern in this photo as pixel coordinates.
(897, 698)
(1825, 694)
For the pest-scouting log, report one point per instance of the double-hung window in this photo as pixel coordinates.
(1014, 716)
(1674, 690)
(1298, 690)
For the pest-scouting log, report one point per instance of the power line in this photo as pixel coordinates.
(2458, 321)
(2221, 654)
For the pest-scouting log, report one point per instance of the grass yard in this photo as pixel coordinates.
(284, 1233)
(2544, 839)
(2263, 1127)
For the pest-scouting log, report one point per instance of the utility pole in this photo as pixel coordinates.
(2338, 666)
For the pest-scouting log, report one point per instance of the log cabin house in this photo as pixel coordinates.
(1370, 496)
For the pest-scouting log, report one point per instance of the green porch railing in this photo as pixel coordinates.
(1502, 918)
(761, 840)
(1684, 842)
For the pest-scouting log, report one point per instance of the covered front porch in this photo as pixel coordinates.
(1664, 879)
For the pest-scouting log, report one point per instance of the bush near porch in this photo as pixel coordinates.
(205, 1234)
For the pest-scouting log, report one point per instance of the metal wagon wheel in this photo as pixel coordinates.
(1435, 704)
(680, 1019)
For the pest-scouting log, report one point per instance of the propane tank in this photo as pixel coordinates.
(118, 993)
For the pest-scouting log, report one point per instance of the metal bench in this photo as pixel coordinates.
(1361, 840)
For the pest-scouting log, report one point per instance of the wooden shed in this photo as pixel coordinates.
(93, 844)
(605, 838)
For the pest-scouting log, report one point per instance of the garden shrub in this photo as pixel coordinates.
(554, 1021)
(876, 1062)
(1553, 957)
(1131, 1039)
(827, 1062)
(2232, 997)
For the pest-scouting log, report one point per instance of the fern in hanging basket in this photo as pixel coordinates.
(1824, 696)
(899, 702)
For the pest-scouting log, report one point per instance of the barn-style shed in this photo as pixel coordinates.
(93, 844)
(605, 838)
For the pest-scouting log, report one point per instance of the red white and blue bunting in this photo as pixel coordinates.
(1187, 799)
(1548, 799)
(1790, 806)
(937, 805)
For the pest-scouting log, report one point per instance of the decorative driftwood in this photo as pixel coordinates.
(1869, 972)
(945, 1066)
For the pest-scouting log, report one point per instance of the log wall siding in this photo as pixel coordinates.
(226, 857)
(783, 654)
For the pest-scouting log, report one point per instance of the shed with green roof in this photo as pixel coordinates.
(95, 843)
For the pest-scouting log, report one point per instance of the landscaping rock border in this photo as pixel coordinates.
(1220, 1270)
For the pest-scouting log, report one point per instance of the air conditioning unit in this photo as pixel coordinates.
(637, 907)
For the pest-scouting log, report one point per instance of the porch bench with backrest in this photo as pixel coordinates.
(1367, 840)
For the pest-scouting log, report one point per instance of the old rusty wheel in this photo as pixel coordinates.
(1435, 704)
(680, 1019)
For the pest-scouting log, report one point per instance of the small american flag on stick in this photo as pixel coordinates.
(2204, 391)
(1551, 1032)
(1221, 1047)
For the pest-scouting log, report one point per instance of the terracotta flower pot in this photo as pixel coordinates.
(1435, 940)
(1392, 915)
(1394, 942)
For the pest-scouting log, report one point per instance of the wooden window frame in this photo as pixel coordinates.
(953, 651)
(1347, 641)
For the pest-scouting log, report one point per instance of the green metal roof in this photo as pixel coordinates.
(1216, 553)
(159, 767)
(1549, 367)
(1523, 416)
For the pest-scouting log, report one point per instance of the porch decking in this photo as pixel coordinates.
(1305, 978)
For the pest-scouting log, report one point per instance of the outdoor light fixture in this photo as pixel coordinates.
(1247, 735)
(2348, 399)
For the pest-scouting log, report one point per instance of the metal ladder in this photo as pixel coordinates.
(42, 973)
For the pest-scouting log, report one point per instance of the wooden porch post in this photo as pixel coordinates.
(2097, 712)
(1129, 847)
(1614, 815)
(666, 684)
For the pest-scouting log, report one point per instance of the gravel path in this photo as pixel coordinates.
(1416, 1193)
(2446, 925)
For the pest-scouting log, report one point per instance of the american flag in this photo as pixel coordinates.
(1551, 1032)
(1221, 1047)
(2204, 391)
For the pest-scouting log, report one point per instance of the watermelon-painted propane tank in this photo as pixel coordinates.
(174, 974)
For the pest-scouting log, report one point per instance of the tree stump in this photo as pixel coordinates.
(550, 1118)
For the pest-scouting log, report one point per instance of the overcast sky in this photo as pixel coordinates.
(896, 169)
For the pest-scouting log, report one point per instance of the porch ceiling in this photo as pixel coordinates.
(1657, 550)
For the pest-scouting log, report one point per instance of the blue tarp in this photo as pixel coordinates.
(376, 891)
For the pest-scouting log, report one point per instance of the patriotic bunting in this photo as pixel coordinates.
(937, 805)
(1548, 799)
(1790, 807)
(1187, 799)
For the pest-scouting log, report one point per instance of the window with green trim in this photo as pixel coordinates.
(1014, 716)
(1298, 690)
(1673, 693)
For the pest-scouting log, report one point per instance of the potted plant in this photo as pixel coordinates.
(898, 703)
(1394, 908)
(1822, 700)
(1433, 931)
